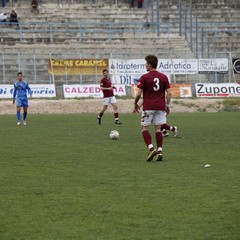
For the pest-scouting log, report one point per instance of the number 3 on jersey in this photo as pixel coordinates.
(157, 84)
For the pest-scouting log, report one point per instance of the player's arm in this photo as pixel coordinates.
(140, 104)
(14, 94)
(29, 91)
(168, 100)
(137, 97)
(104, 88)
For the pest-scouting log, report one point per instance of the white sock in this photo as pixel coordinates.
(150, 146)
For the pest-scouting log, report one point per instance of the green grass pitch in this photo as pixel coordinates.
(62, 178)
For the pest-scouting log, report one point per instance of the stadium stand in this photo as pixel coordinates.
(220, 22)
(102, 28)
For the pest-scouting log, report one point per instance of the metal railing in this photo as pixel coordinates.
(79, 31)
(14, 3)
(35, 67)
(203, 36)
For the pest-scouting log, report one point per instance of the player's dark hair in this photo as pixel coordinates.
(19, 73)
(152, 60)
(104, 70)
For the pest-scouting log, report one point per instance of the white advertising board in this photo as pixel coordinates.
(89, 90)
(217, 89)
(217, 65)
(129, 71)
(39, 90)
(178, 66)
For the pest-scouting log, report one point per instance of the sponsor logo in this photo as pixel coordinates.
(217, 90)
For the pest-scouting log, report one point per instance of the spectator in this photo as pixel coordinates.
(3, 17)
(131, 3)
(3, 3)
(13, 18)
(34, 6)
(140, 3)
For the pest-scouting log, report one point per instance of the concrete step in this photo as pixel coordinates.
(120, 44)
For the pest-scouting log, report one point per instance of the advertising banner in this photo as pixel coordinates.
(129, 71)
(236, 65)
(6, 91)
(77, 66)
(43, 90)
(177, 90)
(217, 89)
(89, 90)
(178, 66)
(215, 65)
(39, 90)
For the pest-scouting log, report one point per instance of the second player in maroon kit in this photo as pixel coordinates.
(108, 97)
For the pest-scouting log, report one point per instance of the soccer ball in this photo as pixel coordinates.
(114, 134)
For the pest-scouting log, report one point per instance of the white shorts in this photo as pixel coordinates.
(109, 100)
(156, 117)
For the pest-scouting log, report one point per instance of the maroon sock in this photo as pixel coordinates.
(147, 138)
(165, 126)
(116, 115)
(100, 114)
(159, 139)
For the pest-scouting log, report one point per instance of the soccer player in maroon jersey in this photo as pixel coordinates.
(108, 97)
(153, 86)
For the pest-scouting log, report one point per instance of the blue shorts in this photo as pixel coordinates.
(22, 102)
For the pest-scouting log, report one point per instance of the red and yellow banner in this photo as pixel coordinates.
(77, 66)
(177, 90)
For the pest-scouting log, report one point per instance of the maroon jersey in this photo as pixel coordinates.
(106, 83)
(154, 84)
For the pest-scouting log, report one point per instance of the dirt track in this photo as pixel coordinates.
(65, 106)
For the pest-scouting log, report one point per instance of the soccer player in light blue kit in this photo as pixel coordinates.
(20, 95)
